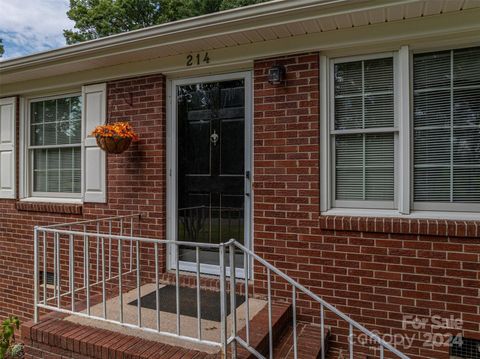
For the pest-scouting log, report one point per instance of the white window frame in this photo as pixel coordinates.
(26, 155)
(328, 133)
(405, 205)
(437, 206)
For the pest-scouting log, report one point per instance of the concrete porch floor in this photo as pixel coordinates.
(168, 321)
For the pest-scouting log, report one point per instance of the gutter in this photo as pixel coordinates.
(260, 12)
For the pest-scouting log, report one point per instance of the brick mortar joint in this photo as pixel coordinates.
(46, 207)
(432, 227)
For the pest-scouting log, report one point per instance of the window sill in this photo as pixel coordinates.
(49, 205)
(432, 223)
(52, 200)
(354, 212)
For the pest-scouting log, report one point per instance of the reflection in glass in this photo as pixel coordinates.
(210, 173)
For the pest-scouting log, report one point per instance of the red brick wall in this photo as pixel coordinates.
(136, 184)
(375, 270)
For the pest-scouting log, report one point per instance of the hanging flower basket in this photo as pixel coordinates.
(114, 138)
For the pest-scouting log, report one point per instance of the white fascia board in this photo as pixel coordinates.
(418, 33)
(211, 25)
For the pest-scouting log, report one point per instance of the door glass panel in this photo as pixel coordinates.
(211, 166)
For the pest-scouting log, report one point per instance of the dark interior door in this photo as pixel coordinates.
(211, 165)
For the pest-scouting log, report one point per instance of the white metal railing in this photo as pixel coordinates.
(95, 259)
(251, 257)
(107, 251)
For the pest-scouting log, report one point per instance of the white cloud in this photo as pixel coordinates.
(28, 26)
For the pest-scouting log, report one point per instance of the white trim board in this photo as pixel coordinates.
(459, 28)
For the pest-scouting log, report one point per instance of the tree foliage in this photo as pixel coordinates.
(99, 18)
(1, 48)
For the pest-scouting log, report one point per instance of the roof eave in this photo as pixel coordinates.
(206, 22)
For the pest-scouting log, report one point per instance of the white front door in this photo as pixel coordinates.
(209, 187)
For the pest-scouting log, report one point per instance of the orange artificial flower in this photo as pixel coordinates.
(117, 129)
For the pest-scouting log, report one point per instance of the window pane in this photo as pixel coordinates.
(37, 135)
(40, 160)
(432, 184)
(379, 167)
(40, 181)
(379, 111)
(364, 99)
(364, 167)
(53, 159)
(348, 113)
(50, 134)
(348, 78)
(53, 178)
(364, 94)
(63, 109)
(378, 75)
(56, 122)
(432, 70)
(50, 110)
(57, 170)
(37, 112)
(466, 107)
(66, 181)
(432, 108)
(379, 184)
(75, 109)
(349, 167)
(466, 187)
(432, 147)
(446, 126)
(466, 63)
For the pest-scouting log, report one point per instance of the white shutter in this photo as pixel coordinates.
(7, 147)
(94, 114)
(447, 126)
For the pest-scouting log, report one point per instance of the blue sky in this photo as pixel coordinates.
(29, 26)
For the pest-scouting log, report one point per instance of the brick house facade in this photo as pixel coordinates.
(378, 270)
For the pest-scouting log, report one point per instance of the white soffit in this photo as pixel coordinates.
(289, 22)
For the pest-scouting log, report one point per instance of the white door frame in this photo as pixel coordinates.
(172, 167)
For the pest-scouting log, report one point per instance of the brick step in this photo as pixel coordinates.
(281, 317)
(309, 343)
(53, 337)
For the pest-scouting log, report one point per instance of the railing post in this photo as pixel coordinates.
(35, 274)
(157, 295)
(199, 301)
(71, 255)
(223, 316)
(294, 321)
(120, 274)
(233, 299)
(246, 266)
(322, 329)
(58, 274)
(177, 284)
(269, 304)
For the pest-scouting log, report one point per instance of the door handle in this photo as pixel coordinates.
(214, 138)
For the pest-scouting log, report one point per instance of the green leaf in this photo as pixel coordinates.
(99, 18)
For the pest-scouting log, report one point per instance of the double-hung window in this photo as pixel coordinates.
(363, 132)
(401, 131)
(446, 125)
(54, 147)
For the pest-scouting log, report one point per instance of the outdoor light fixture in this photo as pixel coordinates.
(276, 74)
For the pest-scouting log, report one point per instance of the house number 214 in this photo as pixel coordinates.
(198, 59)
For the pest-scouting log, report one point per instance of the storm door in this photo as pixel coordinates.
(212, 179)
